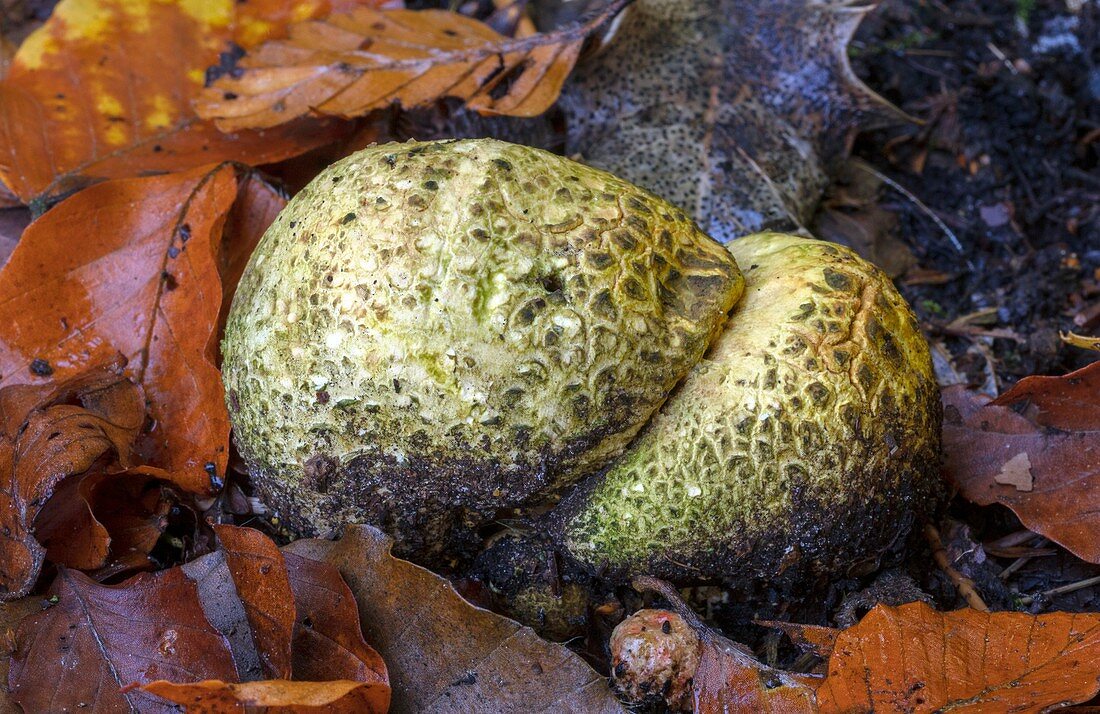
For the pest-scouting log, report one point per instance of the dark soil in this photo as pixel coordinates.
(1008, 159)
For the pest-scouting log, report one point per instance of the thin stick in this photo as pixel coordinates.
(1020, 562)
(963, 584)
(1063, 589)
(918, 203)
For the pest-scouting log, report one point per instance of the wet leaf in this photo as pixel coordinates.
(912, 658)
(97, 639)
(730, 109)
(445, 654)
(278, 696)
(132, 267)
(104, 90)
(50, 436)
(1034, 449)
(348, 65)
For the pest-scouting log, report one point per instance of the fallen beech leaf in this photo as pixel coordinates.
(912, 658)
(348, 65)
(1034, 449)
(277, 696)
(263, 588)
(97, 639)
(730, 109)
(104, 89)
(258, 203)
(49, 436)
(132, 267)
(328, 640)
(11, 614)
(444, 654)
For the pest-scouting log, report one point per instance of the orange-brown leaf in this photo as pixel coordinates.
(104, 90)
(278, 696)
(328, 640)
(131, 267)
(912, 658)
(348, 65)
(260, 576)
(1034, 449)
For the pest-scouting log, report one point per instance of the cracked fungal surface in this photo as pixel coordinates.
(806, 440)
(430, 331)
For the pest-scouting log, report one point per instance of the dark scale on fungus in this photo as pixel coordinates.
(455, 397)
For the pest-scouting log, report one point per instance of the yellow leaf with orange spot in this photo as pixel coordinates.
(104, 89)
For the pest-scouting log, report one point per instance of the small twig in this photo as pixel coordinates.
(919, 204)
(1062, 589)
(1022, 560)
(963, 584)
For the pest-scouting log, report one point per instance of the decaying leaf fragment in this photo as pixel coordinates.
(444, 654)
(348, 65)
(1034, 449)
(733, 110)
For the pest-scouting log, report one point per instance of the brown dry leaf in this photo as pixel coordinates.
(104, 90)
(49, 436)
(348, 65)
(1034, 449)
(914, 659)
(11, 614)
(275, 696)
(132, 267)
(445, 654)
(732, 110)
(79, 654)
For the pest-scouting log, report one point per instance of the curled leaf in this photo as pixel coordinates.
(50, 437)
(348, 65)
